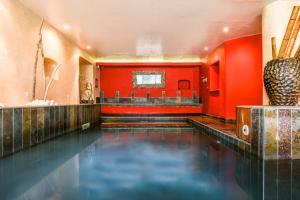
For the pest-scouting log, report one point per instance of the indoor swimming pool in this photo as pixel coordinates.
(143, 163)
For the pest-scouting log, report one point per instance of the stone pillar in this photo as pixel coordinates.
(117, 97)
(178, 98)
(101, 96)
(163, 96)
(148, 96)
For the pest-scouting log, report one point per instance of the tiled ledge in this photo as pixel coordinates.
(228, 139)
(274, 132)
(151, 101)
(22, 127)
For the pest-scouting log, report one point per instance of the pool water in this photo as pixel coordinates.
(143, 164)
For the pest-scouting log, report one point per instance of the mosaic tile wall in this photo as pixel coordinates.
(28, 126)
(274, 131)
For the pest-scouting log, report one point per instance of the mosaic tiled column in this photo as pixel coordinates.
(275, 131)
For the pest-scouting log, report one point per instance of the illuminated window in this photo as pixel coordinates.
(148, 79)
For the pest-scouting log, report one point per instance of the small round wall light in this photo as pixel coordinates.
(245, 130)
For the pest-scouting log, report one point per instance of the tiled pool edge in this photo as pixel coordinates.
(229, 141)
(24, 127)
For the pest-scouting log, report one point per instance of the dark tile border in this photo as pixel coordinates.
(21, 128)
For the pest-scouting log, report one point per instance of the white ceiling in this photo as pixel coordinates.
(169, 27)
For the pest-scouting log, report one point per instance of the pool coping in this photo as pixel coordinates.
(230, 141)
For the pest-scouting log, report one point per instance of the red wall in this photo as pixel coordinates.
(240, 77)
(120, 78)
(243, 73)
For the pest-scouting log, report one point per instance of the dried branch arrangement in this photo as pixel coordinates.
(39, 50)
(289, 39)
(51, 80)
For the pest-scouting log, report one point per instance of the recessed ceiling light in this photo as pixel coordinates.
(88, 47)
(66, 27)
(206, 48)
(225, 29)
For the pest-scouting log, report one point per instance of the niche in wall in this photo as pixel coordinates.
(214, 75)
(49, 69)
(184, 85)
(86, 81)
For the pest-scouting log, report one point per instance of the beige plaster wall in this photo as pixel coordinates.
(275, 19)
(19, 29)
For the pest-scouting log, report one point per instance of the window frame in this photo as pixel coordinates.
(134, 79)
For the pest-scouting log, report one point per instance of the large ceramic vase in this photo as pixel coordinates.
(282, 81)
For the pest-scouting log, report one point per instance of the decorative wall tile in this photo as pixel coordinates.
(66, 118)
(296, 134)
(72, 118)
(76, 116)
(90, 114)
(47, 123)
(65, 110)
(40, 124)
(87, 113)
(270, 136)
(285, 176)
(261, 135)
(34, 127)
(57, 120)
(270, 180)
(255, 120)
(295, 168)
(26, 127)
(7, 131)
(18, 145)
(79, 114)
(52, 122)
(61, 121)
(84, 117)
(284, 133)
(1, 132)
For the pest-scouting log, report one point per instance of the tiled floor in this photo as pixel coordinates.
(226, 128)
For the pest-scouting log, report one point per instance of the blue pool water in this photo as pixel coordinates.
(143, 164)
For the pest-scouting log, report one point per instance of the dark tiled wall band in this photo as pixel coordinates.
(24, 127)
